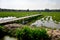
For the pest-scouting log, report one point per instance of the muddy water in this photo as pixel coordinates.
(8, 38)
(47, 22)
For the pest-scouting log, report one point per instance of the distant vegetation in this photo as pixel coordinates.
(45, 10)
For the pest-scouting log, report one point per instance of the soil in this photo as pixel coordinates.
(13, 26)
(54, 34)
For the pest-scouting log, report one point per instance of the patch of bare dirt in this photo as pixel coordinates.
(54, 34)
(12, 26)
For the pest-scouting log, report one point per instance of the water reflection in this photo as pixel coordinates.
(9, 38)
(7, 18)
(47, 22)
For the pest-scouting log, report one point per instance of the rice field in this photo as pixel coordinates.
(26, 30)
(55, 15)
(17, 14)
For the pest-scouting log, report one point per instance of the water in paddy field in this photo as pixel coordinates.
(47, 22)
(7, 18)
(8, 38)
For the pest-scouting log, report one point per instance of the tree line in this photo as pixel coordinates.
(45, 10)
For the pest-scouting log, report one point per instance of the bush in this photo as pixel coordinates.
(27, 33)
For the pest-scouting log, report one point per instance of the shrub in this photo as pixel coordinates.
(27, 33)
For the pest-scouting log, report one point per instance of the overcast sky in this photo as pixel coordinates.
(30, 4)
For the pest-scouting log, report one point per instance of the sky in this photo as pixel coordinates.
(30, 4)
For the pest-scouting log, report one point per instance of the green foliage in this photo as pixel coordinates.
(17, 14)
(55, 15)
(27, 33)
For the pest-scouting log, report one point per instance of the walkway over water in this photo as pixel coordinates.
(15, 19)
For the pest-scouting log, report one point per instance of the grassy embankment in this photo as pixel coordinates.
(20, 14)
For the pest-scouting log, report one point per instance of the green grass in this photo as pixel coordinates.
(55, 15)
(17, 14)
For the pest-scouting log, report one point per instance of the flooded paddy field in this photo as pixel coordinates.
(47, 22)
(55, 15)
(48, 19)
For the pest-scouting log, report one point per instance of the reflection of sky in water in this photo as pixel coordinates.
(7, 18)
(48, 22)
(9, 38)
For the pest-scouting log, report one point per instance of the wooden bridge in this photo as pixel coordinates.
(6, 21)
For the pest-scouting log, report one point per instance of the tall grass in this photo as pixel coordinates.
(27, 33)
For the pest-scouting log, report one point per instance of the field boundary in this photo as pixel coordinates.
(5, 21)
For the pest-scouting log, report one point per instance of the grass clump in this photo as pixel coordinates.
(28, 33)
